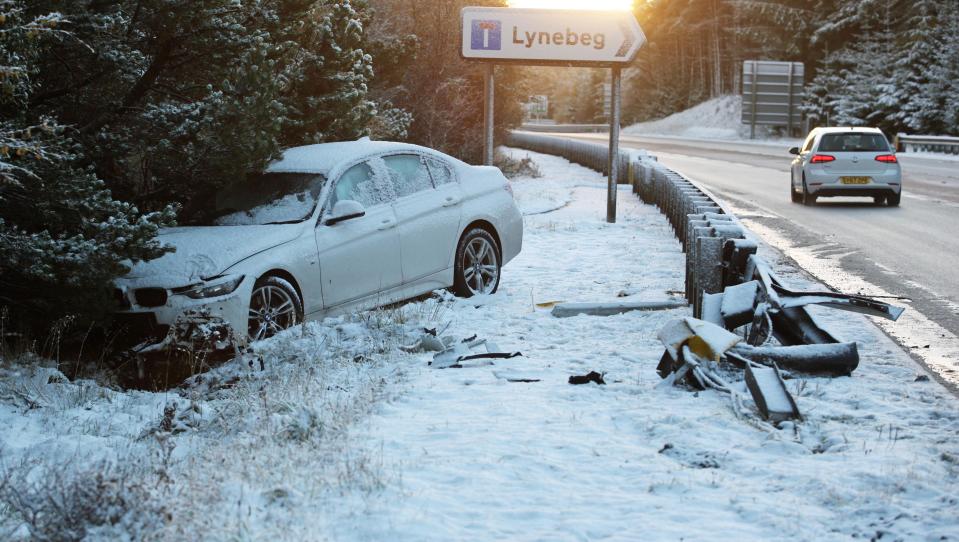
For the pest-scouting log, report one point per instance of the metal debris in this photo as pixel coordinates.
(566, 310)
(769, 392)
(465, 354)
(593, 377)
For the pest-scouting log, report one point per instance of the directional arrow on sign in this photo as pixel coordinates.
(627, 45)
(547, 36)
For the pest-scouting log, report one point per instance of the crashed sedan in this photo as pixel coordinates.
(327, 229)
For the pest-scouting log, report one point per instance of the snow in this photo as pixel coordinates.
(205, 251)
(341, 435)
(718, 118)
(289, 207)
(740, 300)
(323, 158)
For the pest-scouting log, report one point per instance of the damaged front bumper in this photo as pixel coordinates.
(181, 322)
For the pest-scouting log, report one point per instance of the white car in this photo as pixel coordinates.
(328, 229)
(846, 162)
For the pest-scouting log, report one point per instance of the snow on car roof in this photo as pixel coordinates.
(833, 129)
(324, 157)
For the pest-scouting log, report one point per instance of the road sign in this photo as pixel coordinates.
(772, 93)
(549, 36)
(537, 107)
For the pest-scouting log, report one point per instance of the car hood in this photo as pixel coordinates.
(206, 251)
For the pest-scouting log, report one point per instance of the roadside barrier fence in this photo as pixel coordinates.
(720, 258)
(940, 144)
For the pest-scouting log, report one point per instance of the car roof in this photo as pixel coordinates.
(845, 129)
(323, 158)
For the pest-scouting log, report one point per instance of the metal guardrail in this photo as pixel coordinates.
(719, 257)
(566, 128)
(591, 155)
(731, 288)
(940, 144)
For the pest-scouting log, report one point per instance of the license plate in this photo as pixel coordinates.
(855, 180)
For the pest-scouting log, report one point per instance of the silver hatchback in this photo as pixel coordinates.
(846, 162)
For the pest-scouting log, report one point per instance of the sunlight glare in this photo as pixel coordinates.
(594, 5)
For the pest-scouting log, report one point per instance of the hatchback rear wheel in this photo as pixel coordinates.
(807, 198)
(274, 306)
(478, 266)
(893, 200)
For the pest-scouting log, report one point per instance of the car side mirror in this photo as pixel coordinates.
(794, 150)
(345, 210)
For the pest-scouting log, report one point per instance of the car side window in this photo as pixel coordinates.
(408, 173)
(441, 172)
(808, 145)
(362, 183)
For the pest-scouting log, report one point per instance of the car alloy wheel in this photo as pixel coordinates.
(478, 266)
(274, 307)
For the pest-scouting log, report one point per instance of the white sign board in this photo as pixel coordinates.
(551, 36)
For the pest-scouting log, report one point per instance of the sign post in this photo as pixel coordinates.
(488, 113)
(548, 37)
(615, 116)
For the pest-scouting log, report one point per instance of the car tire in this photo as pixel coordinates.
(879, 200)
(807, 198)
(893, 200)
(478, 264)
(796, 196)
(275, 306)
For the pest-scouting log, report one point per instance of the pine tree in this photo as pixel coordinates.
(950, 68)
(919, 87)
(63, 237)
(860, 78)
(173, 99)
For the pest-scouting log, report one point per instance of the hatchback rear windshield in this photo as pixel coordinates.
(854, 142)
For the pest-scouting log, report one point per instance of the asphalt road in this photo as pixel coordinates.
(856, 247)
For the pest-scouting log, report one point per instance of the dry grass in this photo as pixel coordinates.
(250, 449)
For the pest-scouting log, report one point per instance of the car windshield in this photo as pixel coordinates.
(854, 142)
(265, 199)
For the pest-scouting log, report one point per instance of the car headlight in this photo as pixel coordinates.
(215, 287)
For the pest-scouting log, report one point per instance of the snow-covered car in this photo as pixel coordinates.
(328, 229)
(846, 162)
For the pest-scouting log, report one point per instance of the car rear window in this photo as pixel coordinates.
(854, 142)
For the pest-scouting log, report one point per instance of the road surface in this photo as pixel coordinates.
(849, 243)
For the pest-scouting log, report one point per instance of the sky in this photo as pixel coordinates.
(624, 5)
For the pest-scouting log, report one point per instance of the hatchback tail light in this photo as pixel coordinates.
(887, 159)
(822, 159)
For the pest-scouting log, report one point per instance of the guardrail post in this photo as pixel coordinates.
(709, 254)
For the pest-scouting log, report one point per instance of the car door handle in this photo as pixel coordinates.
(451, 201)
(387, 224)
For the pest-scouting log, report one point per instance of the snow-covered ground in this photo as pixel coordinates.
(332, 432)
(718, 118)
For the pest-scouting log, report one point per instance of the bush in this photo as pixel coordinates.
(516, 167)
(57, 504)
